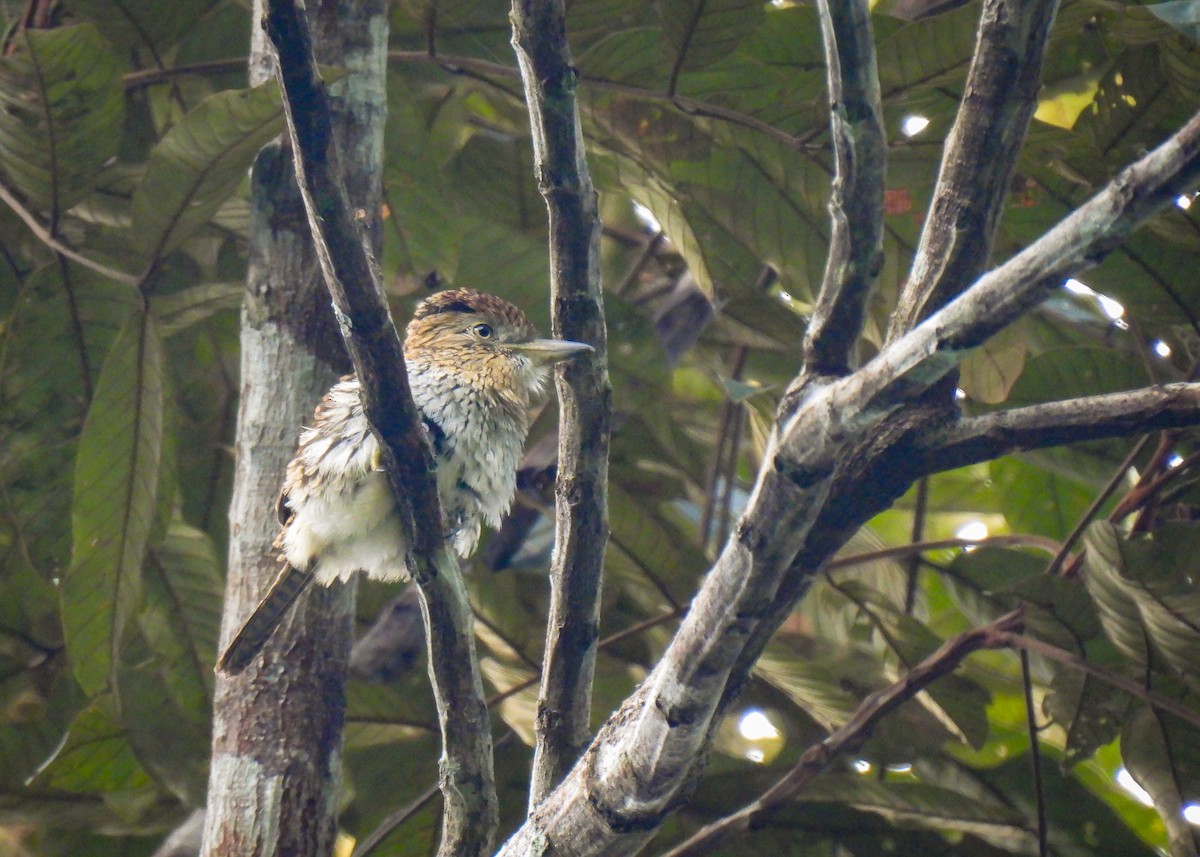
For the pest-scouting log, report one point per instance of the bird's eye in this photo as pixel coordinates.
(483, 331)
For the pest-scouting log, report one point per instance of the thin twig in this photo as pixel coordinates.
(57, 246)
(1153, 698)
(850, 736)
(1094, 509)
(915, 548)
(640, 263)
(480, 69)
(1035, 755)
(918, 533)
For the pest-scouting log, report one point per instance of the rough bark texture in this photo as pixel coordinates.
(277, 733)
(856, 196)
(840, 452)
(979, 157)
(468, 785)
(584, 391)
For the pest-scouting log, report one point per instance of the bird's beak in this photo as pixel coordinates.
(550, 350)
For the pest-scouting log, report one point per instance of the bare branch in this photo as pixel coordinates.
(44, 235)
(841, 451)
(856, 199)
(468, 783)
(584, 391)
(1079, 241)
(983, 438)
(1133, 688)
(979, 157)
(850, 736)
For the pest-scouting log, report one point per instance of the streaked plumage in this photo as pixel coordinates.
(475, 367)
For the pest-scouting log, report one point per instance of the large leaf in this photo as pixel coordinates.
(142, 27)
(200, 163)
(1148, 599)
(95, 757)
(1163, 755)
(62, 106)
(54, 345)
(697, 32)
(113, 510)
(1090, 710)
(181, 615)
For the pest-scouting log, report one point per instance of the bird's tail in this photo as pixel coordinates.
(253, 635)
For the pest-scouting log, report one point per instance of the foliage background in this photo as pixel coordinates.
(125, 137)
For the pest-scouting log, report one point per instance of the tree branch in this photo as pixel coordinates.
(975, 439)
(584, 391)
(1152, 697)
(467, 782)
(840, 452)
(851, 735)
(43, 234)
(979, 157)
(921, 358)
(856, 195)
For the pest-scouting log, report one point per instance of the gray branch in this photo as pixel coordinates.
(468, 784)
(976, 439)
(979, 157)
(840, 452)
(856, 198)
(584, 391)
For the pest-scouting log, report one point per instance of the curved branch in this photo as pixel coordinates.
(840, 452)
(856, 198)
(43, 234)
(922, 357)
(979, 157)
(584, 391)
(467, 783)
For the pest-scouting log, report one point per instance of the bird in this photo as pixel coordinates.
(475, 367)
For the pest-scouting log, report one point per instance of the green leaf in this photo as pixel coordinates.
(990, 371)
(1163, 755)
(1148, 601)
(95, 756)
(699, 32)
(114, 508)
(181, 614)
(908, 803)
(1037, 501)
(142, 27)
(169, 736)
(930, 53)
(200, 163)
(61, 107)
(180, 310)
(1091, 711)
(53, 346)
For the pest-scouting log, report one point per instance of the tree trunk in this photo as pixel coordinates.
(277, 735)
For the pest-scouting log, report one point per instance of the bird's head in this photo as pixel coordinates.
(485, 342)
